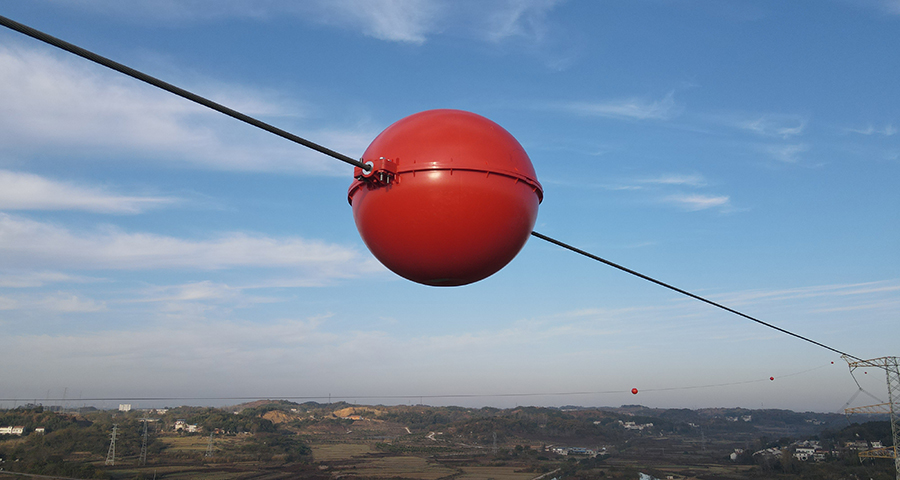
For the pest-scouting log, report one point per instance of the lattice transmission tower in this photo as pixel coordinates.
(111, 454)
(209, 446)
(143, 460)
(892, 407)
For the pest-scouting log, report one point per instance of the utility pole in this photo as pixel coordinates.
(111, 454)
(891, 367)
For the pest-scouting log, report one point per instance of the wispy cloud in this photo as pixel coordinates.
(205, 290)
(33, 244)
(404, 21)
(849, 289)
(393, 20)
(57, 302)
(696, 202)
(892, 6)
(684, 191)
(787, 153)
(632, 108)
(66, 105)
(886, 131)
(771, 125)
(37, 279)
(25, 191)
(694, 180)
(518, 19)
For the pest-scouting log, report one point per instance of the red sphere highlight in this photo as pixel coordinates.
(458, 199)
(634, 391)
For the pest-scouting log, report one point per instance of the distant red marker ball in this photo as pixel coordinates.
(451, 199)
(771, 378)
(634, 391)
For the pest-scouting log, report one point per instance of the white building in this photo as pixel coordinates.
(634, 426)
(181, 425)
(804, 453)
(124, 407)
(17, 430)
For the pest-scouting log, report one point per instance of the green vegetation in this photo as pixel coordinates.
(436, 442)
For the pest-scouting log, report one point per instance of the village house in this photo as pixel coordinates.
(182, 426)
(804, 453)
(773, 452)
(17, 430)
(857, 445)
(633, 426)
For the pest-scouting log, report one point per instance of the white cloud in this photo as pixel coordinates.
(771, 125)
(695, 202)
(694, 180)
(413, 21)
(887, 131)
(32, 244)
(205, 291)
(25, 191)
(817, 291)
(69, 106)
(670, 189)
(405, 21)
(69, 303)
(787, 153)
(192, 355)
(36, 279)
(518, 18)
(891, 7)
(7, 303)
(633, 108)
(392, 20)
(58, 302)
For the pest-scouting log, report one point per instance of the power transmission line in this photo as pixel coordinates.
(51, 40)
(106, 62)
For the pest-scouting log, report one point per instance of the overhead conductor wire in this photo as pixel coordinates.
(685, 292)
(56, 42)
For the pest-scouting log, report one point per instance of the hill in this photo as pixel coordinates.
(313, 440)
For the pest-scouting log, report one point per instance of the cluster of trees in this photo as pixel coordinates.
(870, 431)
(71, 442)
(34, 417)
(248, 420)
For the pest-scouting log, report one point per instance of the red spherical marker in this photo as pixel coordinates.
(772, 378)
(451, 197)
(634, 391)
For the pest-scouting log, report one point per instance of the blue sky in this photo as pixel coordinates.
(745, 151)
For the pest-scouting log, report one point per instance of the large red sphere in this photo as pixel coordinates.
(452, 199)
